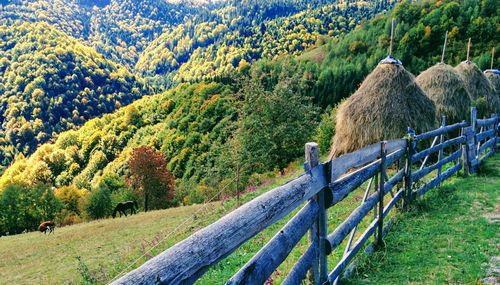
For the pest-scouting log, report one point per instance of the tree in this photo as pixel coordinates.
(99, 203)
(275, 122)
(150, 177)
(23, 207)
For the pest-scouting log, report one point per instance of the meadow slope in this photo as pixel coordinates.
(454, 216)
(451, 236)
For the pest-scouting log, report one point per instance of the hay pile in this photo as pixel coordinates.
(386, 104)
(479, 88)
(493, 76)
(446, 88)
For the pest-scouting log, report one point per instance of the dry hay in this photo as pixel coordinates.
(386, 104)
(493, 76)
(446, 88)
(479, 88)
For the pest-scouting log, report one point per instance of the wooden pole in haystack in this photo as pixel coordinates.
(468, 52)
(392, 36)
(444, 46)
(492, 57)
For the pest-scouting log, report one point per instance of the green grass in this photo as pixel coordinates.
(446, 238)
(447, 222)
(316, 54)
(109, 246)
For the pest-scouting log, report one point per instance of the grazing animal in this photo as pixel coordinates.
(122, 207)
(47, 226)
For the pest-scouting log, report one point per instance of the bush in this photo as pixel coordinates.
(24, 207)
(72, 198)
(326, 130)
(98, 204)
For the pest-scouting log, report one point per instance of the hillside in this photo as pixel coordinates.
(50, 83)
(241, 33)
(200, 128)
(119, 29)
(419, 36)
(107, 248)
(186, 123)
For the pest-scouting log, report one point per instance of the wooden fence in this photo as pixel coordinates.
(396, 168)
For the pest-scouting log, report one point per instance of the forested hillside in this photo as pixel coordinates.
(50, 83)
(253, 102)
(119, 29)
(419, 37)
(235, 35)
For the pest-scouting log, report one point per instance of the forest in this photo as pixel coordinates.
(207, 92)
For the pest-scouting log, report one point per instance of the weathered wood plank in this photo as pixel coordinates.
(340, 233)
(488, 154)
(436, 148)
(488, 144)
(356, 216)
(393, 201)
(263, 264)
(417, 175)
(299, 270)
(346, 184)
(362, 157)
(381, 194)
(473, 118)
(354, 250)
(398, 177)
(486, 122)
(484, 135)
(189, 259)
(434, 182)
(311, 160)
(394, 156)
(440, 131)
(342, 187)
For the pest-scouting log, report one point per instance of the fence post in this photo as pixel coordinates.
(471, 141)
(464, 159)
(381, 190)
(410, 150)
(473, 118)
(441, 140)
(317, 235)
(495, 132)
(470, 149)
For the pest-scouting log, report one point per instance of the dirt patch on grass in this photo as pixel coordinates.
(494, 216)
(493, 271)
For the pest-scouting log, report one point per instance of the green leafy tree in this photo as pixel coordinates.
(274, 123)
(99, 203)
(24, 207)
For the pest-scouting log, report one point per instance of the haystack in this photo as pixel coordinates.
(446, 88)
(493, 76)
(479, 88)
(385, 105)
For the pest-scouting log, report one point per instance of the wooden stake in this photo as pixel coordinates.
(444, 46)
(492, 57)
(468, 52)
(392, 36)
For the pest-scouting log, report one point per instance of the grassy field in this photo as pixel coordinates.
(105, 248)
(449, 237)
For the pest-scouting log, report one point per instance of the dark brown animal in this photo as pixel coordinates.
(122, 207)
(47, 226)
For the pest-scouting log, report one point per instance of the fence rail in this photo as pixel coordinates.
(396, 167)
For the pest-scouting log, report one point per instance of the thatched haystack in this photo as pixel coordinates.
(493, 76)
(386, 104)
(446, 88)
(479, 88)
